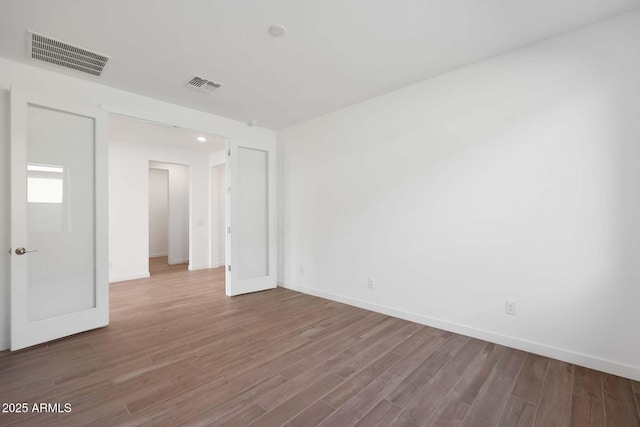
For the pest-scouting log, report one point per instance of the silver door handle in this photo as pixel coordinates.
(22, 251)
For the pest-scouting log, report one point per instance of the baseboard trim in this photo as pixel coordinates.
(218, 264)
(158, 255)
(5, 345)
(124, 278)
(177, 261)
(565, 355)
(198, 267)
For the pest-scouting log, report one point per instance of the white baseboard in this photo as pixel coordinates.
(177, 261)
(5, 345)
(609, 366)
(218, 264)
(115, 279)
(197, 267)
(158, 255)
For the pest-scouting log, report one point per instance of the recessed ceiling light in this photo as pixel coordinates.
(277, 30)
(252, 122)
(201, 139)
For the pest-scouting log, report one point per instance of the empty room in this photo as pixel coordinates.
(320, 213)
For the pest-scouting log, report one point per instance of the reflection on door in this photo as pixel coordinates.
(46, 206)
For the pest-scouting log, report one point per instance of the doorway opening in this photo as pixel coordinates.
(168, 217)
(160, 198)
(218, 215)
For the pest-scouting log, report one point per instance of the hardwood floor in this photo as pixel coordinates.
(160, 265)
(178, 351)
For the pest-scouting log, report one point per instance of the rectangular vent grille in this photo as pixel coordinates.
(66, 55)
(203, 85)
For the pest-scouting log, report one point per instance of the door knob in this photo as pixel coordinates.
(22, 251)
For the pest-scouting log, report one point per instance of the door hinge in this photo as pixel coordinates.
(229, 267)
(228, 231)
(229, 152)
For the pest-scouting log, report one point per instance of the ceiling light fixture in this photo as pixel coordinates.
(277, 30)
(201, 139)
(252, 122)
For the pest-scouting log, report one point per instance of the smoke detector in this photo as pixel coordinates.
(63, 54)
(277, 30)
(203, 85)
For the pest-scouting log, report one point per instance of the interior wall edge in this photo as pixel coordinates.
(129, 277)
(585, 360)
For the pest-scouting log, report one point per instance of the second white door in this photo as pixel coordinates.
(251, 221)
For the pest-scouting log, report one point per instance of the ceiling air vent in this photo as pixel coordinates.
(66, 55)
(203, 85)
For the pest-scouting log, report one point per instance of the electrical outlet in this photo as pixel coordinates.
(371, 283)
(510, 307)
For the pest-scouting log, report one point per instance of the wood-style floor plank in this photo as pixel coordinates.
(619, 403)
(518, 413)
(554, 408)
(381, 414)
(488, 406)
(179, 352)
(479, 370)
(427, 400)
(292, 407)
(531, 378)
(587, 383)
(313, 415)
(586, 412)
(635, 385)
(450, 414)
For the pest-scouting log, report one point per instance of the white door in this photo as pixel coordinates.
(59, 260)
(251, 203)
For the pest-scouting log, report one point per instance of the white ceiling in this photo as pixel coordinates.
(337, 52)
(124, 129)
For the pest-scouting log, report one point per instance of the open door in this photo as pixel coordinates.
(251, 219)
(59, 261)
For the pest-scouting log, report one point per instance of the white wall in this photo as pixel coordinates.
(217, 207)
(5, 235)
(178, 226)
(158, 212)
(221, 209)
(515, 178)
(86, 93)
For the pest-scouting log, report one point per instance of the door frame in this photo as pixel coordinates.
(231, 146)
(170, 238)
(167, 213)
(153, 120)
